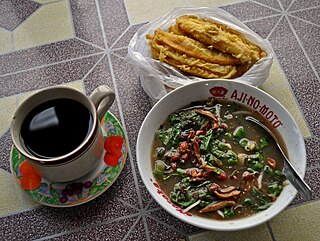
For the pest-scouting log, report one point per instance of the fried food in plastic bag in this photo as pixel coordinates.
(220, 37)
(203, 48)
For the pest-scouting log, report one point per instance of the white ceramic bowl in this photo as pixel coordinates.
(251, 96)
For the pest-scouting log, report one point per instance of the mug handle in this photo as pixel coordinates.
(102, 97)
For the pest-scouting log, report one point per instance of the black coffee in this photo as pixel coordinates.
(56, 128)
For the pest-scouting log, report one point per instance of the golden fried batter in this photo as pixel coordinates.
(191, 65)
(219, 37)
(205, 49)
(192, 48)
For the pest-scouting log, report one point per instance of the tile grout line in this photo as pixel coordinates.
(294, 96)
(119, 106)
(303, 49)
(87, 227)
(93, 67)
(125, 130)
(281, 6)
(131, 228)
(165, 224)
(121, 35)
(274, 27)
(146, 228)
(303, 20)
(71, 17)
(101, 24)
(89, 43)
(304, 9)
(51, 64)
(262, 18)
(264, 5)
(270, 232)
(290, 5)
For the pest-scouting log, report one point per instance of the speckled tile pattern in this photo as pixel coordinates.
(93, 53)
(301, 4)
(249, 10)
(116, 230)
(114, 19)
(86, 21)
(270, 3)
(300, 74)
(45, 55)
(47, 76)
(13, 13)
(309, 15)
(249, 234)
(313, 152)
(50, 23)
(5, 145)
(296, 219)
(263, 26)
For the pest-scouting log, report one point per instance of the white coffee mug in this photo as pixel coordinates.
(83, 158)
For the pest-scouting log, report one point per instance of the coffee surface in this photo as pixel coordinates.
(56, 128)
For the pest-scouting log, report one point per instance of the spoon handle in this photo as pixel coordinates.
(291, 173)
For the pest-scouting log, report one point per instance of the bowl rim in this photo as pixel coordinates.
(233, 225)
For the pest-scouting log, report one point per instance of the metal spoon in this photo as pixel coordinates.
(289, 170)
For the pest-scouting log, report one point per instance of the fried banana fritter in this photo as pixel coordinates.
(219, 37)
(205, 49)
(192, 65)
(192, 48)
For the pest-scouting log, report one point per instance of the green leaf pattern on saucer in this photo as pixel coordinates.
(83, 189)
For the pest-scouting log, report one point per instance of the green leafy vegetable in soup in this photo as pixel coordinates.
(212, 162)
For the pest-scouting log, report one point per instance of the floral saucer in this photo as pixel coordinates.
(84, 189)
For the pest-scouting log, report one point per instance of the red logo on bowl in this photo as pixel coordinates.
(218, 92)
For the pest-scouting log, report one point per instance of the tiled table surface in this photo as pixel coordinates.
(83, 43)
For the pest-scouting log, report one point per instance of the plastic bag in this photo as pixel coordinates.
(158, 78)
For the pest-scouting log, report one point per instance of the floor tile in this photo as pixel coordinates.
(309, 36)
(47, 76)
(45, 55)
(14, 12)
(298, 223)
(277, 85)
(309, 15)
(264, 26)
(30, 224)
(125, 39)
(11, 199)
(5, 41)
(299, 73)
(5, 145)
(249, 10)
(50, 23)
(7, 108)
(313, 152)
(101, 75)
(161, 232)
(312, 178)
(260, 233)
(150, 11)
(164, 217)
(133, 101)
(114, 19)
(301, 4)
(286, 4)
(86, 21)
(138, 232)
(209, 3)
(116, 230)
(270, 3)
(45, 1)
